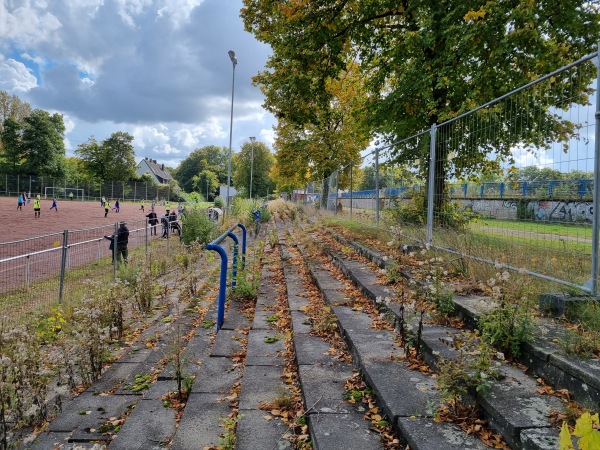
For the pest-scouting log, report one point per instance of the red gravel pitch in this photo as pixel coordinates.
(71, 215)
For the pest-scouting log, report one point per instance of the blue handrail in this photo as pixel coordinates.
(214, 245)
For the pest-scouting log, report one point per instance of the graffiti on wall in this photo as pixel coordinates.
(563, 211)
(509, 204)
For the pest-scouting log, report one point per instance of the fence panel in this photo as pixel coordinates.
(512, 181)
(30, 269)
(543, 224)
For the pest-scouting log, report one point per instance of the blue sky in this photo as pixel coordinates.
(158, 69)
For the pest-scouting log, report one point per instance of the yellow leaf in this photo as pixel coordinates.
(276, 412)
(268, 417)
(584, 424)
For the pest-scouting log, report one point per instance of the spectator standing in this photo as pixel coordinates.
(122, 237)
(152, 221)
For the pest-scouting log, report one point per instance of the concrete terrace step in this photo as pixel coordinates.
(333, 422)
(512, 407)
(406, 396)
(543, 356)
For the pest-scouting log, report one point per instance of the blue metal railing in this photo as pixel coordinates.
(501, 190)
(214, 245)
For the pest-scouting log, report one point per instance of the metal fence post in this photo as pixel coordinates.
(431, 186)
(596, 214)
(377, 187)
(63, 266)
(351, 189)
(114, 255)
(337, 190)
(146, 237)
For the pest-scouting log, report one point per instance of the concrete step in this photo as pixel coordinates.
(516, 417)
(405, 396)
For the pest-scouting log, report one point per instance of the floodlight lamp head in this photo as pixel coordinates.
(232, 57)
(252, 138)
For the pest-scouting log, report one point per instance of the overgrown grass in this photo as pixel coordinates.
(580, 230)
(20, 305)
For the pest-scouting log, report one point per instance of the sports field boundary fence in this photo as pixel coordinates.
(46, 271)
(438, 177)
(13, 185)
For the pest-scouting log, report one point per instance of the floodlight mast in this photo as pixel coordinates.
(252, 139)
(234, 63)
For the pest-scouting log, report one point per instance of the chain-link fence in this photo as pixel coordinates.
(47, 187)
(42, 272)
(512, 182)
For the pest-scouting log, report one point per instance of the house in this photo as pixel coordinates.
(158, 171)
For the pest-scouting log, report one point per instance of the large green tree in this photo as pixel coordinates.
(206, 183)
(210, 158)
(424, 62)
(42, 144)
(253, 163)
(11, 106)
(111, 159)
(12, 148)
(326, 141)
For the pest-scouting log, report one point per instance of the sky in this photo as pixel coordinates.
(157, 69)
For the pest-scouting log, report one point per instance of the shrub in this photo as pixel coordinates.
(197, 228)
(219, 202)
(510, 324)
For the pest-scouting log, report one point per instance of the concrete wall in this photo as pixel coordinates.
(544, 210)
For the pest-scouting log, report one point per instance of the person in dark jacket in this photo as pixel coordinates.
(152, 221)
(122, 238)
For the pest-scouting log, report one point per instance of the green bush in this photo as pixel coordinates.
(448, 215)
(219, 202)
(523, 210)
(197, 228)
(265, 215)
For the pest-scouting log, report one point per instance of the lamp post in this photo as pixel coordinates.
(252, 139)
(234, 63)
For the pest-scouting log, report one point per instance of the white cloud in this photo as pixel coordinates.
(524, 157)
(152, 68)
(29, 24)
(15, 77)
(128, 9)
(178, 10)
(151, 136)
(36, 59)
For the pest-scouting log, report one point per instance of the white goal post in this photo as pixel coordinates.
(63, 192)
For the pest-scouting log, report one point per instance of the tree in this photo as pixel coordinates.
(12, 107)
(42, 144)
(112, 159)
(210, 158)
(327, 140)
(534, 173)
(206, 182)
(75, 174)
(259, 166)
(120, 156)
(424, 62)
(12, 155)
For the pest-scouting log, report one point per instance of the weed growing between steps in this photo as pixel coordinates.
(510, 324)
(287, 405)
(75, 344)
(362, 397)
